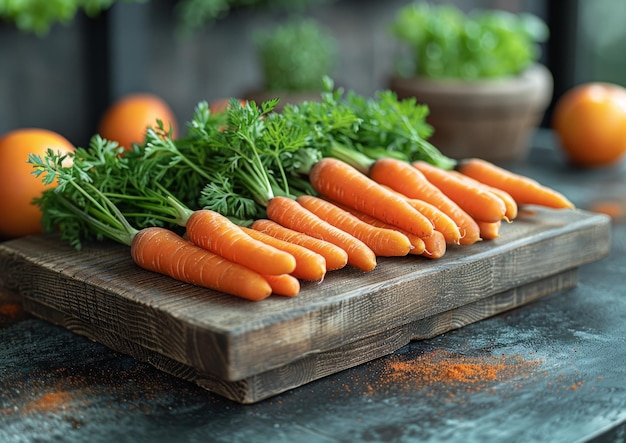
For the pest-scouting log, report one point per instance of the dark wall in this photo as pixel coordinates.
(64, 80)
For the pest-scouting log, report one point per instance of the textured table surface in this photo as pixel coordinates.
(553, 370)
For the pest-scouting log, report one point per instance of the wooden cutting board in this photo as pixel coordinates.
(249, 351)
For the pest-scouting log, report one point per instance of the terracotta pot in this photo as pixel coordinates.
(490, 119)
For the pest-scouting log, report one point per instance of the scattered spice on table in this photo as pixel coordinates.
(54, 401)
(459, 372)
(10, 310)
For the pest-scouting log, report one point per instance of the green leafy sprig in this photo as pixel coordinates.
(233, 162)
(445, 42)
(77, 207)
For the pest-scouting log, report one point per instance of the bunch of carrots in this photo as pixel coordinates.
(350, 210)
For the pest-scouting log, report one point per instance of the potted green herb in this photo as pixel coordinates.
(294, 58)
(479, 75)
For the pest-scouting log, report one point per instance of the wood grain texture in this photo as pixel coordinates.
(233, 339)
(315, 366)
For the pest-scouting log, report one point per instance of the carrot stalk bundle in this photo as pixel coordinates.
(291, 214)
(479, 203)
(524, 190)
(335, 257)
(411, 182)
(216, 233)
(309, 264)
(340, 182)
(384, 242)
(163, 251)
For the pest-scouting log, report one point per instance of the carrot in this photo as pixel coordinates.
(417, 244)
(510, 204)
(384, 242)
(489, 230)
(524, 190)
(440, 220)
(163, 251)
(476, 201)
(410, 182)
(216, 233)
(309, 264)
(292, 215)
(435, 245)
(283, 284)
(340, 182)
(336, 258)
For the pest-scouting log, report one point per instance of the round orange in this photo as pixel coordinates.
(18, 186)
(590, 123)
(127, 119)
(222, 104)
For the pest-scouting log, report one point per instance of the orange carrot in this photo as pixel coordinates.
(417, 244)
(441, 221)
(163, 251)
(409, 181)
(283, 284)
(476, 201)
(309, 264)
(336, 258)
(216, 233)
(435, 245)
(524, 190)
(384, 242)
(340, 182)
(292, 215)
(510, 204)
(489, 230)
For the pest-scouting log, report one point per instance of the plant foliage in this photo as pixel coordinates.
(444, 42)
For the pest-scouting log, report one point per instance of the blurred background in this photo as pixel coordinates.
(63, 77)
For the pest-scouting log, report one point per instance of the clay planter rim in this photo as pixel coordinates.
(531, 87)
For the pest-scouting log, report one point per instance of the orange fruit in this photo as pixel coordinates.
(590, 123)
(127, 119)
(222, 104)
(18, 186)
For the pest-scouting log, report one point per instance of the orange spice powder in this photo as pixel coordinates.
(49, 402)
(444, 367)
(10, 310)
